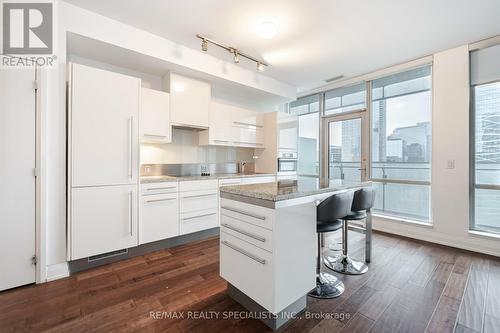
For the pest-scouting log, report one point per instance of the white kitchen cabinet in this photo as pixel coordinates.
(198, 200)
(198, 221)
(159, 217)
(233, 126)
(103, 219)
(155, 116)
(198, 205)
(103, 120)
(189, 101)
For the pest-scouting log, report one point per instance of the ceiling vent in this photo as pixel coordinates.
(335, 78)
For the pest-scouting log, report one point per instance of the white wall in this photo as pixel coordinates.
(450, 141)
(185, 149)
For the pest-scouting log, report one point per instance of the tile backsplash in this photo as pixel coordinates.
(185, 149)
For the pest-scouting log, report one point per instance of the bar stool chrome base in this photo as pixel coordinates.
(327, 286)
(345, 265)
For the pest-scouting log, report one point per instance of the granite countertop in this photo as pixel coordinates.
(161, 179)
(290, 189)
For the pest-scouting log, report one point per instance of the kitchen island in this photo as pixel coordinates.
(268, 243)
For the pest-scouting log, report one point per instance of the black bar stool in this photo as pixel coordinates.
(329, 214)
(362, 202)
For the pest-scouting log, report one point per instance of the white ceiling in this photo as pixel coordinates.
(317, 39)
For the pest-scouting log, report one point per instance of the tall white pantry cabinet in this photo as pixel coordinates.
(103, 161)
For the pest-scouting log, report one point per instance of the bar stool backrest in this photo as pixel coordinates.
(364, 199)
(334, 207)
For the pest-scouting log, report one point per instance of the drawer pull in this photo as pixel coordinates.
(246, 233)
(156, 200)
(160, 188)
(195, 217)
(260, 217)
(248, 254)
(198, 196)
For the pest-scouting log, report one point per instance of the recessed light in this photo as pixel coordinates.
(267, 30)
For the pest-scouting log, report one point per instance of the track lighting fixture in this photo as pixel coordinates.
(261, 65)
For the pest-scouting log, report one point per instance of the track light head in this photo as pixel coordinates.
(260, 66)
(235, 56)
(204, 45)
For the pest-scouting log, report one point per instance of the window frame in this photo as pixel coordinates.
(473, 186)
(384, 181)
(368, 79)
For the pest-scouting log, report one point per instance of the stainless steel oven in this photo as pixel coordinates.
(287, 162)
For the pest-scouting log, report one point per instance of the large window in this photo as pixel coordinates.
(401, 144)
(485, 126)
(307, 110)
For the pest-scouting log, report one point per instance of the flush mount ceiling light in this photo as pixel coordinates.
(261, 65)
(267, 30)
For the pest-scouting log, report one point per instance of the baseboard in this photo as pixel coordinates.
(57, 271)
(470, 243)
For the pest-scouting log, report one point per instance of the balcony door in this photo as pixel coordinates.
(346, 146)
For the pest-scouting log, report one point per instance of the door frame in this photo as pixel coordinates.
(365, 140)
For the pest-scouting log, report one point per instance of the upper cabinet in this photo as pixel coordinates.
(104, 112)
(189, 102)
(233, 126)
(155, 116)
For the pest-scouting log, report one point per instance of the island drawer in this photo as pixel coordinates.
(260, 216)
(250, 233)
(248, 268)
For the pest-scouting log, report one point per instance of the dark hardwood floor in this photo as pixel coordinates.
(411, 286)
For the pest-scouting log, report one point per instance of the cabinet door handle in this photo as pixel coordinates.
(239, 211)
(157, 200)
(195, 217)
(198, 196)
(155, 135)
(130, 145)
(245, 253)
(130, 213)
(246, 233)
(247, 124)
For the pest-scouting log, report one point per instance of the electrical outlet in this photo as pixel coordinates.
(450, 164)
